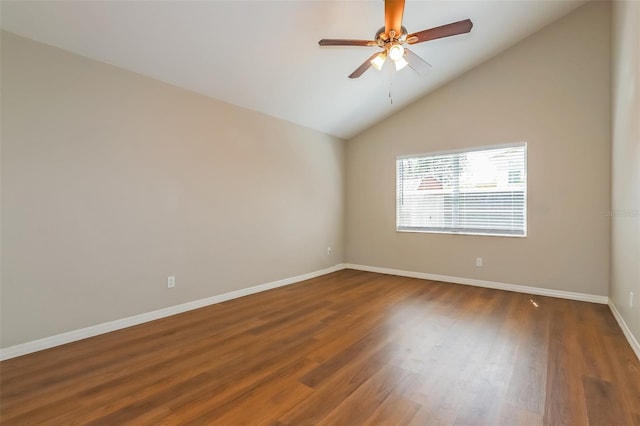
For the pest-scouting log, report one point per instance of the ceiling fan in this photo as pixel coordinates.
(393, 36)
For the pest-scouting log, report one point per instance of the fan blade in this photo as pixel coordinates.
(393, 10)
(452, 29)
(343, 42)
(416, 62)
(362, 68)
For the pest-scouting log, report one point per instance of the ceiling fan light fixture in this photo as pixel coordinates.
(400, 63)
(396, 52)
(379, 60)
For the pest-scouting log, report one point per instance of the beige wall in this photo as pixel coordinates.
(112, 181)
(625, 184)
(550, 90)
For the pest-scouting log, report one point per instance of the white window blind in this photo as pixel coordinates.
(478, 191)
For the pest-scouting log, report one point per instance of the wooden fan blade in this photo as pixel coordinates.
(452, 29)
(393, 10)
(343, 42)
(416, 62)
(362, 68)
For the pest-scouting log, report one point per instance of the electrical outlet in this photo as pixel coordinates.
(479, 262)
(171, 282)
(631, 299)
(329, 250)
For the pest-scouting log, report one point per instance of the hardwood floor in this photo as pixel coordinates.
(347, 348)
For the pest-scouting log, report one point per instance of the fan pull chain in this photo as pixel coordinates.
(390, 86)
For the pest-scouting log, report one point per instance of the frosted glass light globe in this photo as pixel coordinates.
(396, 52)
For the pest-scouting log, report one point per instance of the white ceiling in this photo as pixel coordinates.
(264, 55)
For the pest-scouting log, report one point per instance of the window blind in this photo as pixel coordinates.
(477, 191)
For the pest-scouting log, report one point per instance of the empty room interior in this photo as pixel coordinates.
(320, 212)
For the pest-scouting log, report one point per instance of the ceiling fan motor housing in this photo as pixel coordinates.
(383, 39)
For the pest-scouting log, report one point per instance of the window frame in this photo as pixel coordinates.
(459, 231)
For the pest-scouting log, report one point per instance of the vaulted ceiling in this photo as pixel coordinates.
(264, 55)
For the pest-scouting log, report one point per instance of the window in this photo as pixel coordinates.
(477, 191)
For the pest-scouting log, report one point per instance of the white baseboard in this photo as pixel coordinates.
(583, 297)
(83, 333)
(625, 329)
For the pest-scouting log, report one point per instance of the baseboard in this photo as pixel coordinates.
(83, 333)
(583, 297)
(625, 329)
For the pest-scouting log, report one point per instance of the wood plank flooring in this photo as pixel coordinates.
(348, 348)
